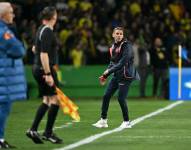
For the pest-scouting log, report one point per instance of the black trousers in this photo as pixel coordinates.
(112, 87)
(159, 75)
(143, 72)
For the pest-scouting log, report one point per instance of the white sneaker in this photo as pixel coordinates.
(102, 123)
(125, 125)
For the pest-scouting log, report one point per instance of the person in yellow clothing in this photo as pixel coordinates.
(186, 22)
(135, 8)
(85, 5)
(177, 9)
(77, 56)
(73, 4)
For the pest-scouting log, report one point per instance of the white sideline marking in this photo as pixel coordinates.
(60, 127)
(153, 137)
(99, 135)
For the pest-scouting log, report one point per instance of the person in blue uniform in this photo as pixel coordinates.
(121, 66)
(12, 78)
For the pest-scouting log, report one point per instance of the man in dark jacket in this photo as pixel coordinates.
(121, 65)
(159, 62)
(12, 79)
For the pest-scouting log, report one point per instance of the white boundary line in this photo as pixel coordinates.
(154, 137)
(59, 127)
(134, 122)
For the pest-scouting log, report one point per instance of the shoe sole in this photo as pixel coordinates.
(46, 139)
(99, 126)
(7, 146)
(35, 140)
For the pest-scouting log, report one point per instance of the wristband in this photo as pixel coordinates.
(105, 76)
(48, 74)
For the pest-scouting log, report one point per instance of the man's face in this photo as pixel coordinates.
(54, 19)
(118, 35)
(9, 15)
(158, 42)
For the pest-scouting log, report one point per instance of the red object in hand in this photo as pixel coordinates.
(102, 80)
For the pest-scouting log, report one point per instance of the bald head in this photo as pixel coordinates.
(3, 7)
(6, 12)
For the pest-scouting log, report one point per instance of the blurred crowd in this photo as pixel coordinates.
(84, 28)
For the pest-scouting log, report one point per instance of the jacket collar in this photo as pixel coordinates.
(119, 43)
(2, 23)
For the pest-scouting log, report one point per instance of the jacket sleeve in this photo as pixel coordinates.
(110, 65)
(14, 48)
(127, 53)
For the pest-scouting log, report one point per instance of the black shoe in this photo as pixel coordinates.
(35, 136)
(5, 144)
(52, 138)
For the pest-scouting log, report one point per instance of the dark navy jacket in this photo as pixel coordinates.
(12, 77)
(121, 62)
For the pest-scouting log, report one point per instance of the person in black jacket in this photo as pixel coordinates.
(159, 62)
(45, 75)
(121, 66)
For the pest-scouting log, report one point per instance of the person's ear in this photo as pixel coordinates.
(113, 34)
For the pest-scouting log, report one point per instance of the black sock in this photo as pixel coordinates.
(39, 115)
(52, 113)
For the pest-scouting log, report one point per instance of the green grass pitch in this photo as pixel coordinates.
(170, 130)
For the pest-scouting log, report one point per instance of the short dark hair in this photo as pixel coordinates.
(119, 28)
(47, 13)
(125, 32)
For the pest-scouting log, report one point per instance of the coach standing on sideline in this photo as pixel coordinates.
(45, 75)
(121, 64)
(12, 79)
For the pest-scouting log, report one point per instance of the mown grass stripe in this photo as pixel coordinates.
(134, 122)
